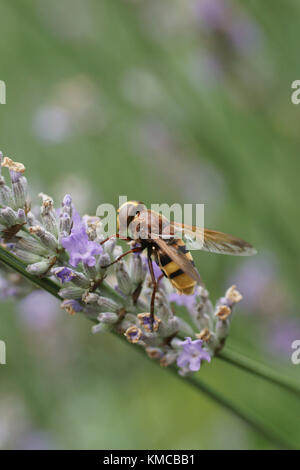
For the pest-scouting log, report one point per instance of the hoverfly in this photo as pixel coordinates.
(167, 242)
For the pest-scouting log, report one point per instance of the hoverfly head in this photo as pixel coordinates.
(127, 213)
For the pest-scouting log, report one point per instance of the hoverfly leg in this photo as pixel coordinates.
(137, 249)
(155, 289)
(155, 283)
(116, 235)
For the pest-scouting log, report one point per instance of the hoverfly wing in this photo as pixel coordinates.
(192, 236)
(219, 242)
(210, 240)
(180, 259)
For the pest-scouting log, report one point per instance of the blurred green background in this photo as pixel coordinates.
(162, 101)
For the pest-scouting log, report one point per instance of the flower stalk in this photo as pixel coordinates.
(259, 370)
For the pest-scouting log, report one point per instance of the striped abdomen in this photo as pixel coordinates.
(180, 280)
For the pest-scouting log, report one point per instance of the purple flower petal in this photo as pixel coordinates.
(192, 354)
(63, 274)
(195, 363)
(183, 359)
(78, 245)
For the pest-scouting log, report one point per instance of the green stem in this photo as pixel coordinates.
(258, 369)
(246, 416)
(14, 263)
(53, 288)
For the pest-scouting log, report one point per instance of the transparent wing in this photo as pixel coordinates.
(209, 240)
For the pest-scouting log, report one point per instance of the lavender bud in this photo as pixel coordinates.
(108, 317)
(80, 280)
(6, 196)
(109, 246)
(46, 237)
(42, 267)
(184, 327)
(101, 328)
(65, 224)
(71, 292)
(19, 189)
(138, 271)
(203, 301)
(164, 313)
(32, 245)
(200, 318)
(27, 257)
(90, 297)
(169, 328)
(107, 304)
(128, 321)
(222, 329)
(123, 279)
(48, 215)
(2, 220)
(103, 261)
(90, 271)
(163, 308)
(31, 219)
(21, 217)
(8, 216)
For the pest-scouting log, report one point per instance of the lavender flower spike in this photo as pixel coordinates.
(192, 354)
